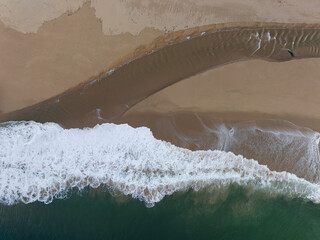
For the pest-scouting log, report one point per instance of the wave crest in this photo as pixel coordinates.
(40, 162)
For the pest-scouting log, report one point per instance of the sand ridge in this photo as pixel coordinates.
(183, 35)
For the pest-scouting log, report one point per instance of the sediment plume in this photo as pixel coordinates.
(167, 60)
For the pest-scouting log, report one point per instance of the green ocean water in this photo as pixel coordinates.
(236, 213)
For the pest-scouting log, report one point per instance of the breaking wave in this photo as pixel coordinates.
(40, 162)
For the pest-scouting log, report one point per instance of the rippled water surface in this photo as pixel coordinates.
(238, 214)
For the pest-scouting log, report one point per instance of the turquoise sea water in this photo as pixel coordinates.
(236, 214)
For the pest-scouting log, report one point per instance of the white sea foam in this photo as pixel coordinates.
(39, 162)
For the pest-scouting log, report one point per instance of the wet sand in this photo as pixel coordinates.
(170, 59)
(279, 144)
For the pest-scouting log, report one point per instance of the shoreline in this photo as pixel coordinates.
(277, 143)
(150, 118)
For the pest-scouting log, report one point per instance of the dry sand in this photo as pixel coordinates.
(122, 16)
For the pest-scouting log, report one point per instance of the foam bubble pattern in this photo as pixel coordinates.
(40, 162)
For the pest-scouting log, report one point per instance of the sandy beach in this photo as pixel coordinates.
(73, 41)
